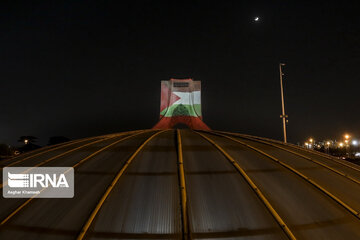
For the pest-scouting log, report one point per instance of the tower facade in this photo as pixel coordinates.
(181, 104)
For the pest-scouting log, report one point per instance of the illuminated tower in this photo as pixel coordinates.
(181, 104)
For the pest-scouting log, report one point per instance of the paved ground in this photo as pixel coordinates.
(146, 201)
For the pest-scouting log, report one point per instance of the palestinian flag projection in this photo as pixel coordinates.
(181, 104)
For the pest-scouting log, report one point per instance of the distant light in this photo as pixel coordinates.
(311, 140)
(341, 144)
(26, 141)
(346, 141)
(347, 136)
(354, 142)
(357, 154)
(328, 143)
(306, 144)
(256, 19)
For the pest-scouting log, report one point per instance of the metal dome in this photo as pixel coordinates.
(185, 184)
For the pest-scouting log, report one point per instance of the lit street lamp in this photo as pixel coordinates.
(328, 146)
(347, 147)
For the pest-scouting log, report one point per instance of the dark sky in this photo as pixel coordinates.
(85, 68)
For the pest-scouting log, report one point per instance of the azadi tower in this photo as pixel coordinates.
(181, 104)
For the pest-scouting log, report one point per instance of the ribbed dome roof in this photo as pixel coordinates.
(174, 184)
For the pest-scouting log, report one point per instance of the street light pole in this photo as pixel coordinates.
(283, 116)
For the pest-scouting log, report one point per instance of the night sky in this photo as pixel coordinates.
(86, 68)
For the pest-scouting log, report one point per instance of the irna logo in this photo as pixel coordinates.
(38, 182)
